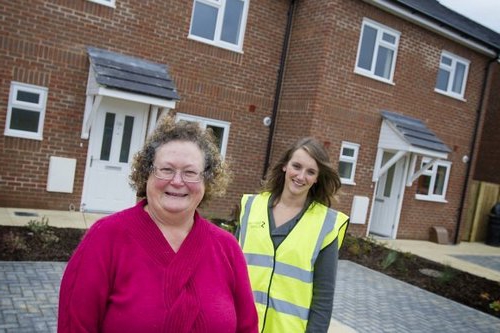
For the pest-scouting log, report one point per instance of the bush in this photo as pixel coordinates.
(41, 229)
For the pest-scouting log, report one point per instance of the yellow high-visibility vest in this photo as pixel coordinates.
(282, 280)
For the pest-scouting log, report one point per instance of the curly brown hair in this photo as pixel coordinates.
(216, 175)
(328, 179)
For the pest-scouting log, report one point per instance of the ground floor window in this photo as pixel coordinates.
(220, 128)
(347, 162)
(433, 182)
(26, 111)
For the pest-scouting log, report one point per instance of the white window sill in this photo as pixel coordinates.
(447, 94)
(23, 135)
(347, 182)
(372, 76)
(429, 198)
(222, 45)
(105, 3)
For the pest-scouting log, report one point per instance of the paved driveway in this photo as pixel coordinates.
(365, 300)
(29, 296)
(369, 301)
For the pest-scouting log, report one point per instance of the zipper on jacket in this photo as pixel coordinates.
(269, 291)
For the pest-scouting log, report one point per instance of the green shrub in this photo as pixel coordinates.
(357, 246)
(448, 274)
(41, 229)
(14, 243)
(390, 259)
(38, 227)
(495, 306)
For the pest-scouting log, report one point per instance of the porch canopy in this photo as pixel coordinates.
(407, 136)
(128, 78)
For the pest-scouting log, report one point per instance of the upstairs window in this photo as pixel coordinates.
(219, 128)
(347, 162)
(219, 22)
(452, 75)
(26, 111)
(377, 51)
(432, 184)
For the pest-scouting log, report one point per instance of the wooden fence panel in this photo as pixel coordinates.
(487, 195)
(471, 209)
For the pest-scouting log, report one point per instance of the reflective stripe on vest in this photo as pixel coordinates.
(282, 281)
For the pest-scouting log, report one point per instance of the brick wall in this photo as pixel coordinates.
(43, 43)
(325, 98)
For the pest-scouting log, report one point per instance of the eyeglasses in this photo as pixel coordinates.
(187, 176)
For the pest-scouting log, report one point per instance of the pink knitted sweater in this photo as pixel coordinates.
(125, 277)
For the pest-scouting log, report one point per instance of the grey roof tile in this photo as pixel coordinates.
(119, 71)
(415, 132)
(444, 15)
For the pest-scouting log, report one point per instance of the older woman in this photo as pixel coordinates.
(159, 266)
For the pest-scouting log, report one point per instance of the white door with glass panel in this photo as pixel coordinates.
(385, 205)
(116, 135)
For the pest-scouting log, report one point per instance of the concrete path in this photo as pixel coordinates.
(365, 301)
(474, 257)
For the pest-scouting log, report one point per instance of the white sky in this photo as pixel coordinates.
(484, 12)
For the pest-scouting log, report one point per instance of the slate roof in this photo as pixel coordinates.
(122, 72)
(415, 132)
(433, 10)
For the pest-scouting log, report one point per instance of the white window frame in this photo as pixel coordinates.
(39, 107)
(349, 160)
(432, 173)
(220, 5)
(109, 3)
(379, 43)
(451, 69)
(204, 122)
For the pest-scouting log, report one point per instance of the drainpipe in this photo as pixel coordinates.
(277, 94)
(473, 144)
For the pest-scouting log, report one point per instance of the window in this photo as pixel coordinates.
(452, 75)
(26, 111)
(432, 184)
(219, 128)
(109, 3)
(377, 51)
(219, 22)
(347, 162)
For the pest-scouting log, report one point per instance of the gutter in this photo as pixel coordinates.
(277, 94)
(487, 75)
(420, 20)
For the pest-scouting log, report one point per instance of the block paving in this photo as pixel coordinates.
(365, 301)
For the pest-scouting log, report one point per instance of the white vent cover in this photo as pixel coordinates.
(359, 209)
(61, 174)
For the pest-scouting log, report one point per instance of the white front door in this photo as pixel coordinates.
(116, 135)
(387, 195)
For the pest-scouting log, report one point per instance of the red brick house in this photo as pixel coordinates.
(395, 89)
